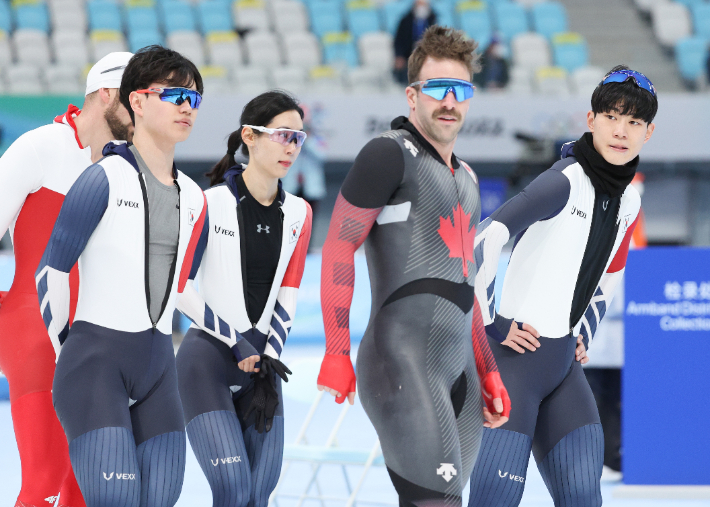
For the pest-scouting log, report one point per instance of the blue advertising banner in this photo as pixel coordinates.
(666, 400)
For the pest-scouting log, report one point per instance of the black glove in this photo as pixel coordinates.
(266, 398)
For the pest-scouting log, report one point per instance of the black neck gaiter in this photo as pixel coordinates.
(607, 178)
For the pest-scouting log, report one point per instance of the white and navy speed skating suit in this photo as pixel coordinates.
(36, 172)
(248, 266)
(570, 252)
(115, 386)
(417, 374)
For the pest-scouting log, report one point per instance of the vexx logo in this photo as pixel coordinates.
(511, 477)
(127, 204)
(125, 477)
(219, 230)
(225, 461)
(578, 212)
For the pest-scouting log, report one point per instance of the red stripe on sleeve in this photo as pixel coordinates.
(190, 253)
(349, 226)
(485, 362)
(619, 261)
(294, 271)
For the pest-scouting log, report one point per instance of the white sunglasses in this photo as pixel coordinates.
(282, 136)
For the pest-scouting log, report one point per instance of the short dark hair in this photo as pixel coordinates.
(626, 98)
(259, 111)
(156, 64)
(443, 43)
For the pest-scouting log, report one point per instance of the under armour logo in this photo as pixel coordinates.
(446, 471)
(412, 149)
(259, 228)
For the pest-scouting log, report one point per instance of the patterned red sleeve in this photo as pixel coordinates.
(349, 226)
(485, 362)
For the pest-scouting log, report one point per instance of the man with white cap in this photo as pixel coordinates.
(36, 172)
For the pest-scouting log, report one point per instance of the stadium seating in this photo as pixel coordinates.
(531, 50)
(301, 49)
(32, 17)
(65, 80)
(141, 19)
(223, 49)
(364, 80)
(251, 80)
(104, 15)
(289, 16)
(339, 49)
(552, 81)
(215, 80)
(31, 46)
(692, 54)
(5, 50)
(250, 14)
(549, 18)
(444, 12)
(376, 51)
(142, 38)
(326, 80)
(177, 16)
(520, 80)
(393, 12)
(214, 16)
(325, 17)
(585, 79)
(290, 78)
(70, 48)
(569, 51)
(24, 79)
(362, 17)
(475, 22)
(671, 22)
(68, 15)
(5, 17)
(701, 19)
(510, 19)
(188, 43)
(262, 49)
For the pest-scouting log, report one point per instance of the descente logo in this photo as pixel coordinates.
(125, 477)
(219, 230)
(224, 461)
(128, 204)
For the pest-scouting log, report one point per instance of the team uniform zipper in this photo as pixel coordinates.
(146, 213)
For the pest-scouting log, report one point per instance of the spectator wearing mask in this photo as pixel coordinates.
(410, 30)
(494, 72)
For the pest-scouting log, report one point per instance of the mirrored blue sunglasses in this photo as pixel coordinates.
(176, 95)
(621, 76)
(440, 87)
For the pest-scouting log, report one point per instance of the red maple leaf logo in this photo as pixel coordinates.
(457, 237)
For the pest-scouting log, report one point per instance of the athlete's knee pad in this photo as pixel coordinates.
(498, 478)
(216, 439)
(161, 461)
(572, 470)
(265, 452)
(105, 465)
(413, 495)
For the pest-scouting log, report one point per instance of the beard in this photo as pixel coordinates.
(119, 130)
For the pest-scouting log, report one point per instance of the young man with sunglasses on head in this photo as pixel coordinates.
(132, 220)
(424, 359)
(36, 172)
(572, 227)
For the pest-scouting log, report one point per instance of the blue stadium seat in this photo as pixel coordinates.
(5, 17)
(393, 12)
(177, 16)
(549, 18)
(691, 54)
(690, 3)
(444, 12)
(326, 16)
(701, 20)
(510, 18)
(475, 22)
(32, 16)
(141, 19)
(339, 48)
(142, 38)
(104, 15)
(362, 17)
(569, 51)
(214, 16)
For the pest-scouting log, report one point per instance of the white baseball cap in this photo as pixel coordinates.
(107, 72)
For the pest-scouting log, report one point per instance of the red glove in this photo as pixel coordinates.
(2, 297)
(492, 387)
(336, 372)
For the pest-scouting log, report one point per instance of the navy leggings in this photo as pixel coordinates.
(241, 465)
(554, 415)
(116, 396)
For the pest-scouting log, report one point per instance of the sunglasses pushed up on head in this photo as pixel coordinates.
(176, 96)
(282, 136)
(439, 88)
(621, 76)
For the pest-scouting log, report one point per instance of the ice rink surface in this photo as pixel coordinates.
(356, 432)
